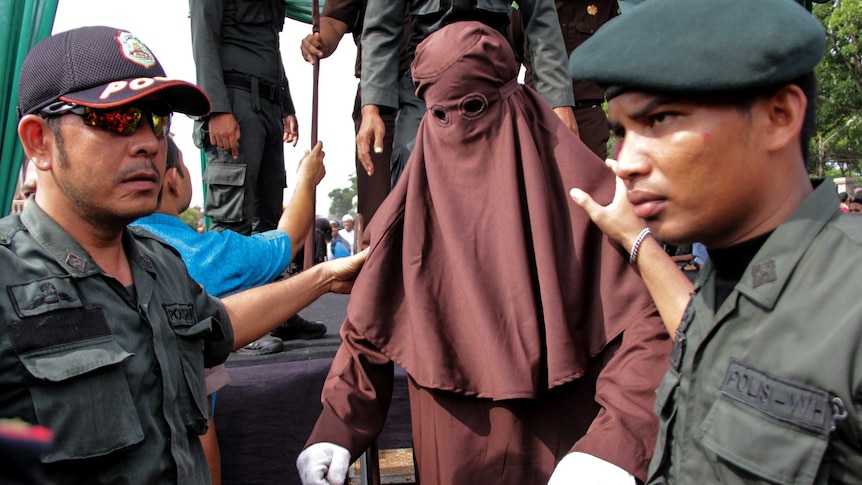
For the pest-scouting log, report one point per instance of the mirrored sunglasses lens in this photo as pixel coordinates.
(161, 124)
(122, 120)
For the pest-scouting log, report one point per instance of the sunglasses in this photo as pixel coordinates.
(123, 120)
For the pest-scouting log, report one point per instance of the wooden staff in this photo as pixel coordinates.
(308, 259)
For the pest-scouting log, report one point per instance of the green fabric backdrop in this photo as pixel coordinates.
(22, 24)
(300, 9)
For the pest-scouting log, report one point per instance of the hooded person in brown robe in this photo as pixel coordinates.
(524, 332)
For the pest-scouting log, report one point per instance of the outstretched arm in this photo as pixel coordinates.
(295, 220)
(623, 434)
(256, 311)
(668, 286)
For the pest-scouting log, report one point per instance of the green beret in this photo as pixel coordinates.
(702, 46)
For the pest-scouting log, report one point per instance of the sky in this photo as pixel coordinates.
(163, 25)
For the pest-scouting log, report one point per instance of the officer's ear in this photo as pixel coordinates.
(786, 113)
(38, 140)
(171, 182)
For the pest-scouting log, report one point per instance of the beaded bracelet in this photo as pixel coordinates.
(633, 254)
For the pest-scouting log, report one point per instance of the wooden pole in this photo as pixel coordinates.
(308, 259)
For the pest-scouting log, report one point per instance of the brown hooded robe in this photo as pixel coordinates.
(524, 332)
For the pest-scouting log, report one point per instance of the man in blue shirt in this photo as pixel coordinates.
(227, 262)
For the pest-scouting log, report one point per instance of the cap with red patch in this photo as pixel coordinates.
(100, 67)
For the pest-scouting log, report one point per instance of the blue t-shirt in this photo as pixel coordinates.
(223, 262)
(339, 250)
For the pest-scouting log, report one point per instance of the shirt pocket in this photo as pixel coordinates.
(80, 391)
(753, 447)
(190, 341)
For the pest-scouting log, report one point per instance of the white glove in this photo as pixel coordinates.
(583, 469)
(323, 464)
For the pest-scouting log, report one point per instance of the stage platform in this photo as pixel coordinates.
(330, 309)
(266, 413)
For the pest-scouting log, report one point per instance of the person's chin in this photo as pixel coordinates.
(670, 232)
(139, 208)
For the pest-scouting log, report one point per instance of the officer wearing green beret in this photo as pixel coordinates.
(713, 102)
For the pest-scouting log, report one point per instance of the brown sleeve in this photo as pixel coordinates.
(356, 395)
(347, 11)
(624, 432)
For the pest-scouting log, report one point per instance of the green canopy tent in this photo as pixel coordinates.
(299, 10)
(22, 24)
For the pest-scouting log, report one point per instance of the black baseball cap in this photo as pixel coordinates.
(100, 67)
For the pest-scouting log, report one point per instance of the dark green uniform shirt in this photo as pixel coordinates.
(116, 375)
(768, 388)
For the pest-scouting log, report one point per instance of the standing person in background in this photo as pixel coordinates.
(338, 246)
(769, 342)
(372, 177)
(235, 44)
(386, 87)
(28, 186)
(347, 232)
(226, 262)
(579, 19)
(844, 200)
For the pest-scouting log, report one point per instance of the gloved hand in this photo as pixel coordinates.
(323, 464)
(583, 469)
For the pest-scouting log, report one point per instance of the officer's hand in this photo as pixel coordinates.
(343, 271)
(568, 116)
(371, 132)
(310, 169)
(323, 464)
(311, 47)
(224, 133)
(617, 219)
(584, 469)
(291, 130)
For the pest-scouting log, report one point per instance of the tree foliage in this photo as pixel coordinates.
(191, 216)
(837, 147)
(343, 201)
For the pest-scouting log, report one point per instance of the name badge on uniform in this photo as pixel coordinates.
(783, 399)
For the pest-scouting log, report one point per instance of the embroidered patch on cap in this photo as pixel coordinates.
(135, 50)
